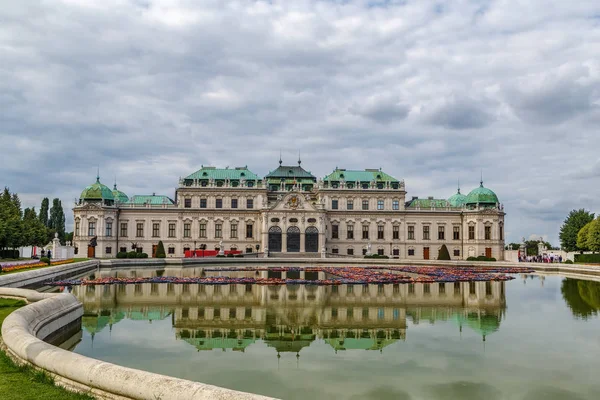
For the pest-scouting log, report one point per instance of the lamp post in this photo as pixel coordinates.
(257, 247)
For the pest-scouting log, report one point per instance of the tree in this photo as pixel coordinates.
(56, 222)
(44, 211)
(513, 246)
(160, 250)
(582, 237)
(576, 220)
(593, 236)
(444, 254)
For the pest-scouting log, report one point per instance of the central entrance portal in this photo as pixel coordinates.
(311, 242)
(293, 239)
(275, 239)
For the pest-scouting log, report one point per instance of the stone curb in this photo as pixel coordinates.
(50, 312)
(25, 278)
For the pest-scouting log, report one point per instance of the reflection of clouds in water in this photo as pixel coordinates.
(463, 390)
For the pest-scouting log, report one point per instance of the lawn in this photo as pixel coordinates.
(25, 383)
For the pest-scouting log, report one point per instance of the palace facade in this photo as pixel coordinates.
(346, 213)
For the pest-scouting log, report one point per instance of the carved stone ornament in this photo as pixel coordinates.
(293, 202)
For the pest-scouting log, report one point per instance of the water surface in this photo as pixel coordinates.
(536, 337)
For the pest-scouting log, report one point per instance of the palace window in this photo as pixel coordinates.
(109, 229)
(456, 253)
(187, 230)
(122, 250)
(187, 203)
(456, 233)
(396, 252)
(249, 203)
(250, 184)
(395, 232)
(488, 232)
(411, 252)
(155, 230)
(335, 251)
(411, 232)
(335, 231)
(139, 230)
(380, 252)
(395, 205)
(218, 230)
(501, 228)
(380, 204)
(234, 203)
(123, 229)
(334, 204)
(91, 229)
(218, 203)
(234, 230)
(365, 204)
(380, 231)
(171, 230)
(202, 203)
(350, 252)
(425, 232)
(249, 229)
(471, 233)
(172, 251)
(365, 231)
(202, 230)
(108, 250)
(350, 232)
(350, 204)
(76, 228)
(441, 232)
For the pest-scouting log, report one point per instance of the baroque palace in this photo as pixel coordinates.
(346, 213)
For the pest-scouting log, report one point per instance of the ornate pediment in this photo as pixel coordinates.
(293, 202)
(90, 207)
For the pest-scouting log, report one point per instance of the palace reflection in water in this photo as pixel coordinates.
(290, 317)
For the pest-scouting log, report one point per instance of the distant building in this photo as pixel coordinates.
(346, 213)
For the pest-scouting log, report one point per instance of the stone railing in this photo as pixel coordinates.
(25, 329)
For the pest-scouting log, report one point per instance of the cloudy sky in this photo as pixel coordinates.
(431, 91)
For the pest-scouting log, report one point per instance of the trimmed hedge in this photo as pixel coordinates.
(587, 258)
(481, 258)
(160, 250)
(376, 256)
(45, 260)
(444, 254)
(122, 254)
(568, 262)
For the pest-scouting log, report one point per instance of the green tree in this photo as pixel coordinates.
(513, 246)
(34, 231)
(11, 226)
(582, 237)
(160, 250)
(56, 222)
(44, 211)
(572, 289)
(444, 254)
(576, 220)
(593, 235)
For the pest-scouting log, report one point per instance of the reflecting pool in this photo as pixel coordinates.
(535, 337)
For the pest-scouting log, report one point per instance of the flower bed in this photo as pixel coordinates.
(18, 267)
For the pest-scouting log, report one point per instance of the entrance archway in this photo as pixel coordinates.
(275, 239)
(311, 242)
(293, 239)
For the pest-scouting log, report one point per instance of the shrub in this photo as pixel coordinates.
(9, 253)
(144, 255)
(239, 255)
(122, 254)
(220, 255)
(587, 258)
(160, 250)
(132, 254)
(444, 254)
(229, 255)
(471, 258)
(45, 260)
(568, 262)
(376, 256)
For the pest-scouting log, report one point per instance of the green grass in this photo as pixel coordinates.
(24, 382)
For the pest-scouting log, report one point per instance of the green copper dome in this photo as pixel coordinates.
(119, 196)
(97, 192)
(458, 199)
(482, 195)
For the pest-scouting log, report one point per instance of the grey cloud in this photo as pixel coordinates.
(151, 90)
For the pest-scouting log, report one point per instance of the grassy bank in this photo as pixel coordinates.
(25, 383)
(25, 268)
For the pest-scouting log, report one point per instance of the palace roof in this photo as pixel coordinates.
(140, 200)
(290, 172)
(236, 173)
(368, 175)
(119, 196)
(458, 199)
(427, 203)
(97, 191)
(482, 195)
